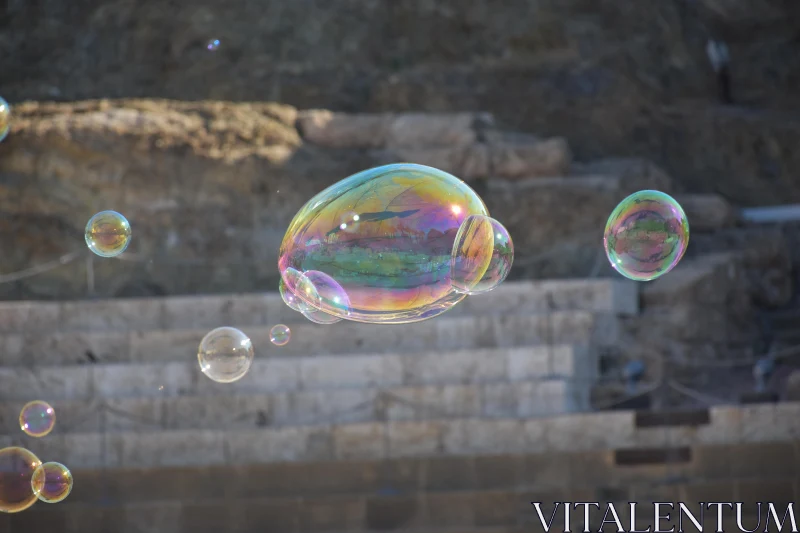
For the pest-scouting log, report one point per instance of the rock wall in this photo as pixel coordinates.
(210, 187)
(625, 78)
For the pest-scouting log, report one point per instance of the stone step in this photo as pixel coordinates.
(496, 511)
(434, 512)
(300, 373)
(233, 412)
(397, 439)
(267, 309)
(45, 347)
(716, 466)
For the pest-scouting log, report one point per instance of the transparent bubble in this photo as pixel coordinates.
(482, 255)
(225, 355)
(5, 118)
(288, 295)
(320, 317)
(51, 482)
(394, 266)
(280, 334)
(37, 418)
(213, 45)
(646, 235)
(17, 466)
(108, 234)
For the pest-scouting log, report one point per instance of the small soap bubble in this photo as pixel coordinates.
(5, 118)
(280, 334)
(108, 234)
(225, 355)
(213, 45)
(288, 287)
(646, 235)
(482, 255)
(17, 466)
(51, 482)
(326, 294)
(37, 418)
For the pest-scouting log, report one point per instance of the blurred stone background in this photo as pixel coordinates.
(622, 78)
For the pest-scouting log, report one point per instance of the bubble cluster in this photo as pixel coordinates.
(17, 466)
(37, 418)
(646, 235)
(225, 354)
(482, 255)
(280, 335)
(5, 118)
(51, 482)
(379, 247)
(213, 45)
(108, 234)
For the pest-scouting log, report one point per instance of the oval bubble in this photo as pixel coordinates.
(482, 255)
(320, 317)
(646, 235)
(225, 354)
(394, 266)
(17, 466)
(287, 294)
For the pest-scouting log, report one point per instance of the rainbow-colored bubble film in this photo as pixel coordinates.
(37, 418)
(108, 234)
(225, 354)
(280, 335)
(385, 237)
(5, 118)
(17, 466)
(51, 482)
(646, 235)
(482, 255)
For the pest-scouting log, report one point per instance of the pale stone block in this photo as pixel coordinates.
(491, 436)
(340, 130)
(136, 414)
(247, 310)
(197, 312)
(13, 352)
(759, 423)
(725, 426)
(326, 407)
(18, 317)
(533, 362)
(121, 380)
(14, 316)
(577, 361)
(171, 448)
(266, 446)
(547, 158)
(84, 450)
(169, 345)
(72, 347)
(27, 383)
(542, 398)
(414, 438)
(535, 435)
(431, 129)
(350, 371)
(114, 315)
(362, 441)
(500, 401)
(463, 366)
(216, 412)
(270, 375)
(466, 162)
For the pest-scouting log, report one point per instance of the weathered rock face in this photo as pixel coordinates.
(597, 72)
(210, 187)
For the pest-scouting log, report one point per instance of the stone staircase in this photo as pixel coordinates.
(130, 398)
(450, 425)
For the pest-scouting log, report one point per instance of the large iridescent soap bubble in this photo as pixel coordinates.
(646, 235)
(378, 247)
